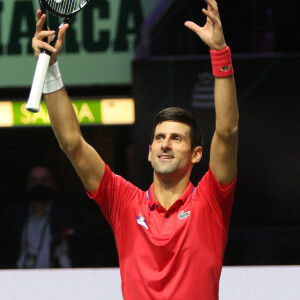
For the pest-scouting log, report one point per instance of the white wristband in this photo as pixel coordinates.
(53, 81)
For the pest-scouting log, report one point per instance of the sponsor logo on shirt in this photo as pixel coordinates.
(183, 215)
(141, 221)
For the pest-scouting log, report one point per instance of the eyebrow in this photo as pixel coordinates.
(173, 134)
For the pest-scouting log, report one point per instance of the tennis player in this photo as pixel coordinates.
(170, 239)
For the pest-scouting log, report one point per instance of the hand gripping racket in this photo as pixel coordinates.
(66, 9)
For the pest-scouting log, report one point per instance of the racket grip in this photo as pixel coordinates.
(34, 100)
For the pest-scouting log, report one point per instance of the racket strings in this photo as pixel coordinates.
(64, 7)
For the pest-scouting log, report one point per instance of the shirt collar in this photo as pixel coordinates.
(152, 201)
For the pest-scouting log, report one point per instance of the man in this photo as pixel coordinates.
(35, 234)
(170, 239)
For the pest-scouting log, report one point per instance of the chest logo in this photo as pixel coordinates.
(183, 215)
(141, 221)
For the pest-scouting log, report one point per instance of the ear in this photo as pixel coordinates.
(197, 154)
(149, 154)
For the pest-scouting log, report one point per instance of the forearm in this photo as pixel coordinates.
(63, 119)
(226, 107)
(223, 151)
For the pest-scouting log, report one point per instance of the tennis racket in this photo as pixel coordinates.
(66, 9)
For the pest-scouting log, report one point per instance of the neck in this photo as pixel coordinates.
(39, 208)
(168, 189)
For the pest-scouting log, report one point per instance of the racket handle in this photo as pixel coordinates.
(34, 100)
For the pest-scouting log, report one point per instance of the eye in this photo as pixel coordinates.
(159, 137)
(177, 138)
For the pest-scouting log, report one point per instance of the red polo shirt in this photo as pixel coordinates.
(168, 254)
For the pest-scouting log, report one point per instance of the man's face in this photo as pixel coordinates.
(171, 151)
(40, 185)
(40, 176)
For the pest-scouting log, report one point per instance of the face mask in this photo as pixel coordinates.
(40, 193)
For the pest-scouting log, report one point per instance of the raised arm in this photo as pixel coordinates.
(86, 161)
(223, 152)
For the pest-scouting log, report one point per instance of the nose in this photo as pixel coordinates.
(166, 145)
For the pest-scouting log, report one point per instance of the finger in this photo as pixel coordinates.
(211, 17)
(193, 26)
(48, 47)
(38, 15)
(44, 34)
(39, 45)
(212, 5)
(40, 23)
(62, 31)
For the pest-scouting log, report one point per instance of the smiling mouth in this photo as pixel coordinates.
(165, 157)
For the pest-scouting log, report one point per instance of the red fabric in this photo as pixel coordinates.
(161, 255)
(221, 62)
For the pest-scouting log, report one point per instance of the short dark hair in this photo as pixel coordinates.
(181, 115)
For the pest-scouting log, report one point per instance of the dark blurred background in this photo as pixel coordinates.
(172, 68)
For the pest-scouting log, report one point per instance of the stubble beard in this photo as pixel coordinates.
(164, 168)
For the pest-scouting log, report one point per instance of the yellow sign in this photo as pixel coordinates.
(89, 112)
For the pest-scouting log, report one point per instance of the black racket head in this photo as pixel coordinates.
(63, 8)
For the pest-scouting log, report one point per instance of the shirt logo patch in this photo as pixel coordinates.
(183, 215)
(141, 221)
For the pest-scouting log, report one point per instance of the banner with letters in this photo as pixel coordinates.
(98, 49)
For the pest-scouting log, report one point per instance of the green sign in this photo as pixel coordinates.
(88, 112)
(99, 44)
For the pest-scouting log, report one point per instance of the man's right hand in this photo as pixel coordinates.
(40, 35)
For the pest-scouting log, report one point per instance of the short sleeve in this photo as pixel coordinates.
(219, 198)
(113, 195)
